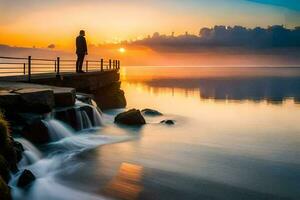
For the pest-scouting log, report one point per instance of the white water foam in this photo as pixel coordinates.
(57, 129)
(68, 145)
(87, 124)
(31, 154)
(49, 189)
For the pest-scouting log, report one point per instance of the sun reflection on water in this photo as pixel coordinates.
(126, 184)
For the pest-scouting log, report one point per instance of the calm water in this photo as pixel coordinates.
(237, 136)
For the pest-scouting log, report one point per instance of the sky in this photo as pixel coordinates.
(41, 23)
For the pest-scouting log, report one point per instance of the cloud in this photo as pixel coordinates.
(221, 36)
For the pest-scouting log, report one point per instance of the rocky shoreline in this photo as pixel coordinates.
(42, 114)
(27, 110)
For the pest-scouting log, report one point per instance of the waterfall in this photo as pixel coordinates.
(97, 117)
(86, 122)
(79, 118)
(57, 130)
(31, 154)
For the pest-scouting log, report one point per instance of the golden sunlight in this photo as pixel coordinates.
(122, 50)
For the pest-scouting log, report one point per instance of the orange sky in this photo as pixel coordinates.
(40, 23)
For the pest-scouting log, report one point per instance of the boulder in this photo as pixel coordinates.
(6, 145)
(36, 100)
(68, 116)
(4, 131)
(130, 117)
(37, 132)
(26, 178)
(110, 96)
(168, 122)
(10, 155)
(151, 112)
(18, 149)
(64, 97)
(4, 191)
(4, 169)
(85, 98)
(9, 101)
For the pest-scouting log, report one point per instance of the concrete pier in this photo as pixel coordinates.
(104, 86)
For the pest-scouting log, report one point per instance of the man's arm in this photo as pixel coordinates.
(85, 46)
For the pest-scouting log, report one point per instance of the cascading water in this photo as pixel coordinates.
(97, 117)
(84, 120)
(63, 146)
(31, 154)
(57, 130)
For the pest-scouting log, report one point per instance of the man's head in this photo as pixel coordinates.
(82, 32)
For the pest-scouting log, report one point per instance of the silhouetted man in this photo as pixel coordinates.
(81, 51)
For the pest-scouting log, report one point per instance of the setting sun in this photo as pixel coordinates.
(122, 50)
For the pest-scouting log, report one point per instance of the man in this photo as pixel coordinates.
(81, 51)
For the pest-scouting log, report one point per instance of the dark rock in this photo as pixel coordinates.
(4, 191)
(26, 178)
(110, 97)
(85, 98)
(130, 117)
(6, 145)
(71, 117)
(151, 112)
(9, 101)
(64, 97)
(9, 153)
(37, 132)
(36, 100)
(68, 116)
(4, 169)
(18, 149)
(4, 131)
(168, 122)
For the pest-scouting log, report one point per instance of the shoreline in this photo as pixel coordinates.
(40, 114)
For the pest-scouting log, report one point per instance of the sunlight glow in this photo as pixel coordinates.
(122, 50)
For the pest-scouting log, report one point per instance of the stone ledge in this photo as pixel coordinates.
(23, 97)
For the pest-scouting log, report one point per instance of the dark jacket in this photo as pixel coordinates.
(81, 47)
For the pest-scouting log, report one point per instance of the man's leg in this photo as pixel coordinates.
(81, 62)
(77, 63)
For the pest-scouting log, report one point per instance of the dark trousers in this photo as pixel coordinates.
(79, 62)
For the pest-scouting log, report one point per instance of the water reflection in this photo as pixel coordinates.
(272, 89)
(126, 184)
(255, 84)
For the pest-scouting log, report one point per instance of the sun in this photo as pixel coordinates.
(122, 50)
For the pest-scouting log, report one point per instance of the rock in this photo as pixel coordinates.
(9, 153)
(9, 101)
(4, 169)
(4, 131)
(4, 191)
(64, 97)
(110, 97)
(151, 112)
(6, 145)
(26, 178)
(71, 116)
(36, 100)
(18, 149)
(37, 132)
(130, 117)
(68, 116)
(85, 98)
(168, 122)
